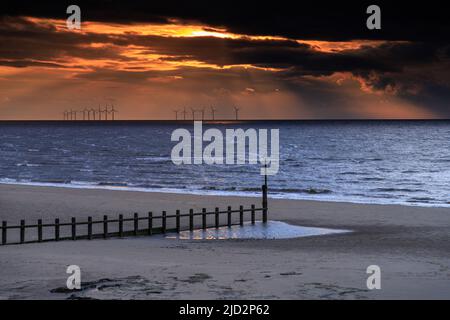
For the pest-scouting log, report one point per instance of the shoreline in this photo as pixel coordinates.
(410, 244)
(243, 194)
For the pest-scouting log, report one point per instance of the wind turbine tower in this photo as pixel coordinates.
(213, 112)
(236, 111)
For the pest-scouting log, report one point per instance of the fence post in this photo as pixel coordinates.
(56, 229)
(253, 214)
(150, 223)
(22, 231)
(40, 230)
(264, 203)
(164, 222)
(241, 215)
(74, 229)
(178, 220)
(191, 219)
(105, 226)
(217, 217)
(120, 225)
(229, 216)
(204, 218)
(4, 225)
(90, 228)
(136, 223)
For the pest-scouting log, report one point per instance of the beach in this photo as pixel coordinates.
(409, 243)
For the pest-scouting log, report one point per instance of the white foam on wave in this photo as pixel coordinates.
(253, 194)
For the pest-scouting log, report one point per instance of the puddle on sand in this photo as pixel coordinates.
(259, 230)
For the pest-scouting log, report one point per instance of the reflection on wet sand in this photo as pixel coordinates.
(269, 230)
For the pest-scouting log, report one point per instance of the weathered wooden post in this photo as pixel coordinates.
(177, 218)
(164, 222)
(241, 215)
(105, 226)
(56, 229)
(204, 218)
(229, 216)
(4, 228)
(150, 223)
(264, 203)
(22, 231)
(136, 223)
(120, 225)
(40, 230)
(89, 228)
(217, 217)
(253, 214)
(74, 229)
(191, 219)
(264, 195)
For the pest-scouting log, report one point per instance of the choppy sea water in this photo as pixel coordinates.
(386, 162)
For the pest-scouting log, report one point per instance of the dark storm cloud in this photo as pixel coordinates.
(25, 41)
(381, 66)
(412, 64)
(321, 20)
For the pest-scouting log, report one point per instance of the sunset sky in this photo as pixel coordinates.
(274, 62)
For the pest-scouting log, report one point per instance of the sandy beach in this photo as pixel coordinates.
(410, 244)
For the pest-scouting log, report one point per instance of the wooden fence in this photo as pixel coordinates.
(107, 228)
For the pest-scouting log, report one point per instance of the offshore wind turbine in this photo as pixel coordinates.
(93, 113)
(84, 113)
(86, 110)
(213, 112)
(99, 113)
(203, 113)
(193, 114)
(236, 111)
(176, 114)
(106, 111)
(113, 111)
(184, 113)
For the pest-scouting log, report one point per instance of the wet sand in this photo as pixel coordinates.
(410, 244)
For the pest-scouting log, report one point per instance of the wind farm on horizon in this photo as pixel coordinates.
(88, 114)
(199, 114)
(185, 114)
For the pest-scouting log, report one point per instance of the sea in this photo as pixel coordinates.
(382, 162)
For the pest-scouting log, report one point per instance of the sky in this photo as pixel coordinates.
(272, 61)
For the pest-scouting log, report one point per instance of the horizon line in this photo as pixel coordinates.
(211, 120)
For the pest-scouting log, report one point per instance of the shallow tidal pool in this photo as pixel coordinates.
(259, 230)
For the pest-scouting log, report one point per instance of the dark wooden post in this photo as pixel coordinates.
(120, 225)
(217, 217)
(4, 230)
(178, 220)
(191, 219)
(264, 203)
(136, 223)
(56, 229)
(204, 218)
(253, 214)
(229, 216)
(22, 231)
(150, 223)
(241, 215)
(105, 226)
(164, 222)
(40, 230)
(90, 228)
(74, 229)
